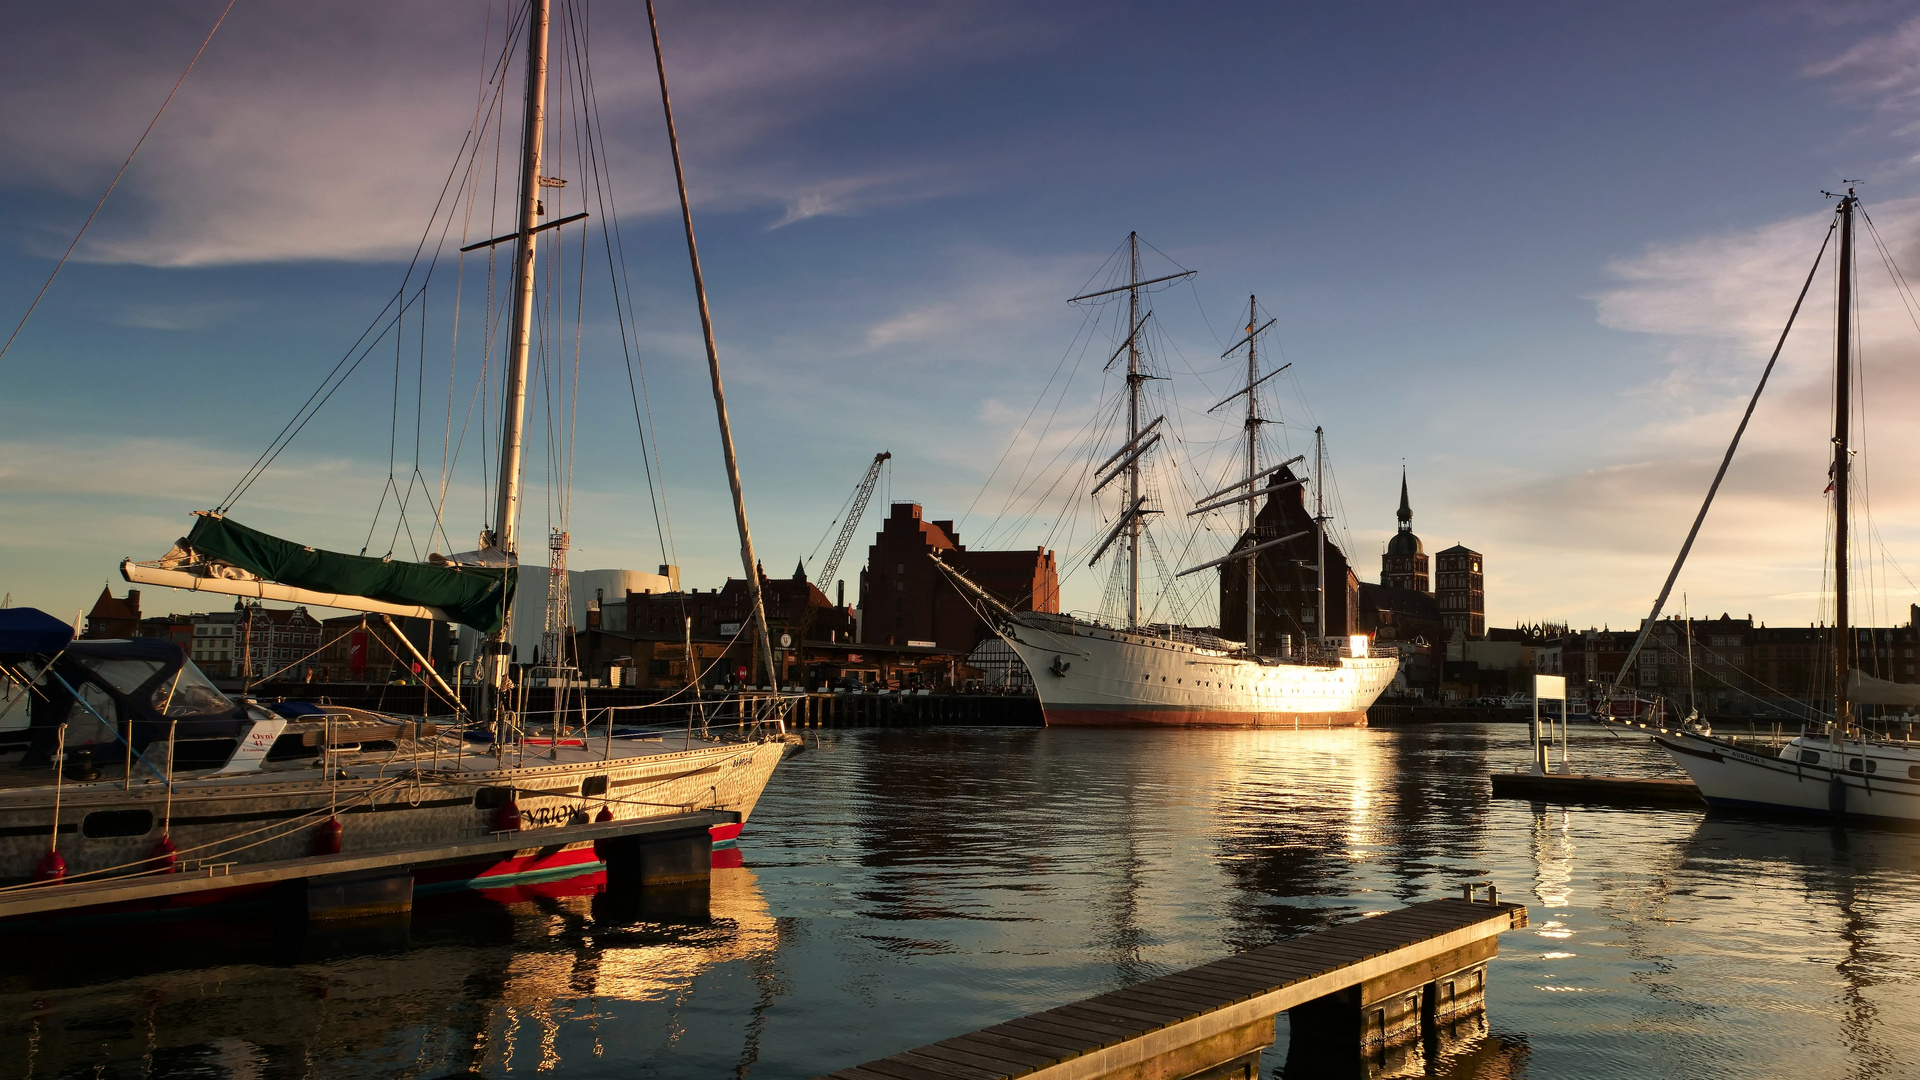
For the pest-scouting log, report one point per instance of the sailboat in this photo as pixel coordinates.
(1088, 673)
(1840, 769)
(140, 764)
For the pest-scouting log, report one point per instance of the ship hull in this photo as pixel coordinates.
(1812, 777)
(1093, 676)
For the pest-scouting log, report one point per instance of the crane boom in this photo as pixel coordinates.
(861, 495)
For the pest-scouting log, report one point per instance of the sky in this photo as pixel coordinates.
(1535, 254)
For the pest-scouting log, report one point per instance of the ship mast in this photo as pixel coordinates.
(1253, 465)
(506, 513)
(1320, 525)
(747, 559)
(1134, 379)
(1842, 400)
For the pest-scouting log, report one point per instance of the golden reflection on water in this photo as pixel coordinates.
(914, 884)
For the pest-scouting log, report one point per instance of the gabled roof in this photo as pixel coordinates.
(110, 606)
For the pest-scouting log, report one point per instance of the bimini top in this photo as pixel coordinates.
(26, 631)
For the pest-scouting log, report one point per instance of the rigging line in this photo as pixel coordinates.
(308, 408)
(297, 423)
(614, 241)
(1106, 418)
(115, 182)
(1087, 324)
(1902, 289)
(459, 295)
(1039, 442)
(1714, 488)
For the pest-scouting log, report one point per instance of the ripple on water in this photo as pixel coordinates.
(906, 885)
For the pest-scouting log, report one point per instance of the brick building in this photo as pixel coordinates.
(1409, 621)
(905, 600)
(1287, 586)
(1460, 585)
(113, 616)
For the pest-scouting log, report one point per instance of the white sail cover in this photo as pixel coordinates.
(1864, 689)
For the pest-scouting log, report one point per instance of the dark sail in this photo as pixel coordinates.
(475, 596)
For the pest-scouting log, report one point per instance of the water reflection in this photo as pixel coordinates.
(466, 985)
(910, 885)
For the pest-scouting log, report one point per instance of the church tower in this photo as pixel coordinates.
(1404, 566)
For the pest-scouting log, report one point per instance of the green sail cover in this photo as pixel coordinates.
(476, 596)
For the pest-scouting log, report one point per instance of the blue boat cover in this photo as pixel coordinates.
(26, 631)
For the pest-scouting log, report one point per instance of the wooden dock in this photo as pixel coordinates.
(371, 875)
(1601, 790)
(1361, 988)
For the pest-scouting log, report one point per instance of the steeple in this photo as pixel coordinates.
(1404, 564)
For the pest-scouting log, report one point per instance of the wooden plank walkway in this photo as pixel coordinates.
(1224, 1008)
(1588, 788)
(41, 899)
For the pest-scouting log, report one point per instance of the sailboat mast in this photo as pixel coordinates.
(1253, 468)
(1133, 432)
(1842, 401)
(1320, 525)
(506, 513)
(747, 559)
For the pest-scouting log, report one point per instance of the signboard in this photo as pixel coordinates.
(786, 641)
(357, 652)
(741, 671)
(923, 644)
(729, 627)
(1550, 686)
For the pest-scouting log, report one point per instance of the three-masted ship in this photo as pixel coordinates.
(1086, 672)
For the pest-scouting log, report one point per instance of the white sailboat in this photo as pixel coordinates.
(1839, 770)
(1089, 673)
(138, 764)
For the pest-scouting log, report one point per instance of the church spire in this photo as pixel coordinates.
(1406, 511)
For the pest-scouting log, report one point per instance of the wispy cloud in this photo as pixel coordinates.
(324, 133)
(1599, 538)
(1883, 69)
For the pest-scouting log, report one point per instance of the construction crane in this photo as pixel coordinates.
(862, 492)
(856, 509)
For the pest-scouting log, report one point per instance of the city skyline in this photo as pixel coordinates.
(894, 204)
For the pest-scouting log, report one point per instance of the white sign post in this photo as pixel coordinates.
(1549, 686)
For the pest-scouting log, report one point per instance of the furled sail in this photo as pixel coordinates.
(1864, 689)
(222, 555)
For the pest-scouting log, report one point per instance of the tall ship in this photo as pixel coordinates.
(124, 759)
(1291, 668)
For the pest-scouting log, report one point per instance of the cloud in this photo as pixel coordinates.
(1595, 540)
(324, 133)
(1884, 69)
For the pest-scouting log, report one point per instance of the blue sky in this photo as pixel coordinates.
(1538, 253)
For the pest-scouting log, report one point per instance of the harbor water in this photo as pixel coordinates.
(902, 886)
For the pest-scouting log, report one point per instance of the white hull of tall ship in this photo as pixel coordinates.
(1810, 775)
(1090, 675)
